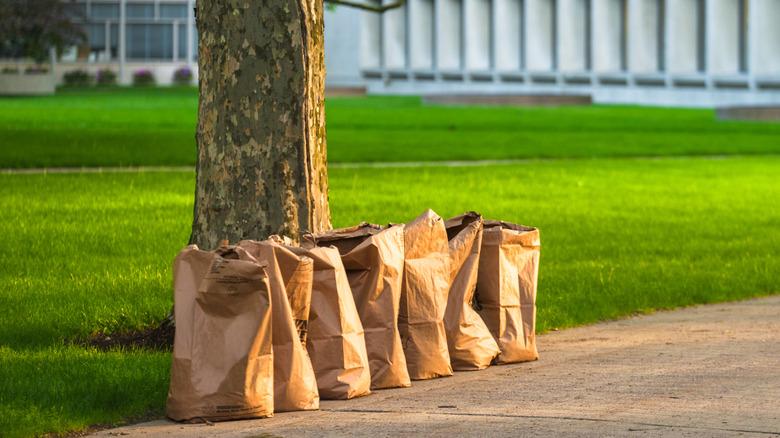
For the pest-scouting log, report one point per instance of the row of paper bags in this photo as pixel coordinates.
(265, 327)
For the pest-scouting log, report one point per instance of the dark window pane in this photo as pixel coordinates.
(150, 41)
(136, 41)
(170, 10)
(182, 30)
(161, 41)
(96, 34)
(140, 10)
(104, 10)
(114, 41)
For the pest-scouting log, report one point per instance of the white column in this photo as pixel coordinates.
(540, 48)
(107, 41)
(122, 41)
(477, 33)
(643, 36)
(723, 36)
(190, 33)
(394, 38)
(764, 37)
(421, 34)
(572, 35)
(682, 44)
(507, 29)
(450, 35)
(607, 34)
(175, 26)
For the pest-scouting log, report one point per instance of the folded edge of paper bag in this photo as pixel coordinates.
(374, 260)
(506, 288)
(470, 342)
(426, 283)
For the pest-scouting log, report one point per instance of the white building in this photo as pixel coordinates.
(657, 52)
(125, 36)
(665, 52)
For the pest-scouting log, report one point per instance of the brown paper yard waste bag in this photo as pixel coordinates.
(335, 339)
(222, 364)
(290, 277)
(471, 345)
(506, 288)
(374, 260)
(426, 282)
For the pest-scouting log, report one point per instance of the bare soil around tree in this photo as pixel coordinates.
(701, 371)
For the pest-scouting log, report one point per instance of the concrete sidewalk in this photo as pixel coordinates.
(703, 371)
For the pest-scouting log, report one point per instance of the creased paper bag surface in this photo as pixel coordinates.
(222, 365)
(426, 282)
(290, 278)
(374, 260)
(471, 345)
(506, 288)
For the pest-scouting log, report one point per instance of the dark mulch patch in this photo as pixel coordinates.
(154, 338)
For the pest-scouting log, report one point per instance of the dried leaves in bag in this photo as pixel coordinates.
(426, 283)
(471, 345)
(222, 366)
(290, 278)
(374, 260)
(506, 288)
(335, 340)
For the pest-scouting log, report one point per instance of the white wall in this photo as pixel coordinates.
(516, 36)
(343, 47)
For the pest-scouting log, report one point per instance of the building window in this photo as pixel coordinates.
(103, 11)
(140, 10)
(103, 47)
(181, 29)
(173, 11)
(150, 41)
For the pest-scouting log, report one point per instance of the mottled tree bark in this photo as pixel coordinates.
(261, 121)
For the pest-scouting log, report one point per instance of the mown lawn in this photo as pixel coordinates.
(84, 253)
(156, 127)
(90, 252)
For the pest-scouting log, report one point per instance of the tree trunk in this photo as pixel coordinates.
(262, 166)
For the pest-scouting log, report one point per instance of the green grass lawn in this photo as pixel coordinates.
(86, 253)
(90, 252)
(156, 127)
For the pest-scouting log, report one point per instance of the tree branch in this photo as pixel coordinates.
(368, 7)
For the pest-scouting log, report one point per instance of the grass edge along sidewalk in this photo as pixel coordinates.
(92, 252)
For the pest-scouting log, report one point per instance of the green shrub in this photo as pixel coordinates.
(182, 76)
(77, 78)
(143, 77)
(36, 70)
(105, 77)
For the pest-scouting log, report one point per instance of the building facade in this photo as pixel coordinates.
(658, 52)
(126, 36)
(663, 52)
